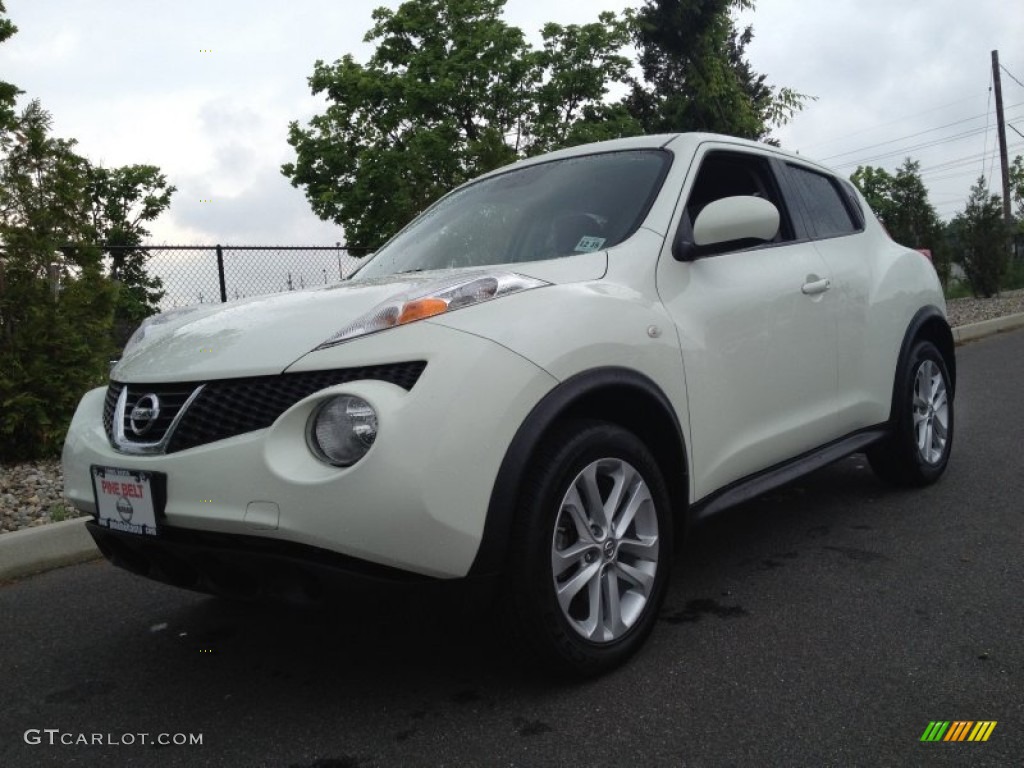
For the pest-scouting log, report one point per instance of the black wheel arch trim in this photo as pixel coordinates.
(930, 315)
(554, 405)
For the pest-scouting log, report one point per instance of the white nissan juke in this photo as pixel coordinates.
(536, 380)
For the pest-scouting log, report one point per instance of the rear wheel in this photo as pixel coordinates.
(592, 549)
(917, 451)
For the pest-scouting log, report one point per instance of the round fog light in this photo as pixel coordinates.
(341, 430)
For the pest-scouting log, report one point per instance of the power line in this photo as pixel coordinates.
(926, 145)
(886, 124)
(901, 138)
(1018, 82)
(988, 112)
(916, 147)
(962, 161)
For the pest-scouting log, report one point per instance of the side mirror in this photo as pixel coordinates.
(731, 223)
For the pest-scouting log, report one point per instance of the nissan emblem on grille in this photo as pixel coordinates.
(145, 414)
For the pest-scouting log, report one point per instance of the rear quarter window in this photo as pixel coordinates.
(829, 210)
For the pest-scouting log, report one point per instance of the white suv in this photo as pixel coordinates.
(537, 379)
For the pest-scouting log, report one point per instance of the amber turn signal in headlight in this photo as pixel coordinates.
(435, 298)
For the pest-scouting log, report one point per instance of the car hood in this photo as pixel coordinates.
(265, 334)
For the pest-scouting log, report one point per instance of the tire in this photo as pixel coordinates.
(580, 594)
(917, 451)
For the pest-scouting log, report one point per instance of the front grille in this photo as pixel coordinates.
(230, 407)
(110, 406)
(171, 398)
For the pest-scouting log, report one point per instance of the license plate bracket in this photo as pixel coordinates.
(129, 500)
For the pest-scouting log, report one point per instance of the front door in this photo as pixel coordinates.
(757, 334)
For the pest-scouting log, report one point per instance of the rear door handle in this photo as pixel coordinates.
(816, 286)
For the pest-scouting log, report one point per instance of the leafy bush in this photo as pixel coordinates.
(51, 352)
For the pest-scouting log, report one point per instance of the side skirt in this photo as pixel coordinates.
(754, 485)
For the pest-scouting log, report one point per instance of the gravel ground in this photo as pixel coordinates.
(967, 311)
(32, 493)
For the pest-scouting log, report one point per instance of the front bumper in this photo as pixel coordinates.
(417, 502)
(257, 568)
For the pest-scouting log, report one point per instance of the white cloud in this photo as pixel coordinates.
(132, 83)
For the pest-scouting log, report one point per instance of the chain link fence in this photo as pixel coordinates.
(203, 274)
(194, 274)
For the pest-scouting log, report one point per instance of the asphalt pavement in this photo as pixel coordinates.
(827, 623)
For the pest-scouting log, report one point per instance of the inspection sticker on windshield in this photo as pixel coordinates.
(589, 244)
(124, 500)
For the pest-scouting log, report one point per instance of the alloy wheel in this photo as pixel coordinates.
(604, 552)
(931, 412)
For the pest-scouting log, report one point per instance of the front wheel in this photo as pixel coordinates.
(917, 451)
(592, 549)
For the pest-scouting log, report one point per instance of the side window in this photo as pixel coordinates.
(731, 174)
(829, 214)
(855, 206)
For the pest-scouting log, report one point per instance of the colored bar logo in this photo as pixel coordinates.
(958, 730)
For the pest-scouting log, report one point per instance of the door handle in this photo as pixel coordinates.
(816, 286)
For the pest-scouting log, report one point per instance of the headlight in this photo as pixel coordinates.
(341, 430)
(434, 299)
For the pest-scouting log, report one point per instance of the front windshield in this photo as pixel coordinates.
(545, 211)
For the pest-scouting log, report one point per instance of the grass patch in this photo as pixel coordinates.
(58, 513)
(957, 289)
(1014, 278)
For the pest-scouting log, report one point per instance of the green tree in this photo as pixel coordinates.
(912, 219)
(1017, 190)
(123, 201)
(696, 76)
(876, 185)
(56, 304)
(981, 238)
(450, 92)
(8, 92)
(574, 70)
(902, 205)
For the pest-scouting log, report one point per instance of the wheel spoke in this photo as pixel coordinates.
(563, 559)
(613, 605)
(636, 576)
(644, 549)
(577, 513)
(594, 507)
(623, 477)
(640, 496)
(920, 427)
(930, 375)
(571, 588)
(592, 625)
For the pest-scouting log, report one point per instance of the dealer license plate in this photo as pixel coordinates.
(124, 500)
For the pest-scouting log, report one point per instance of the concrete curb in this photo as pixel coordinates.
(34, 550)
(964, 333)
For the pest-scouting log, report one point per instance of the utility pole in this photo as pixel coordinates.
(1004, 162)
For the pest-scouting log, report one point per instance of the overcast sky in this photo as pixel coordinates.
(131, 81)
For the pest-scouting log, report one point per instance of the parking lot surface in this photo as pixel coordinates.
(827, 623)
